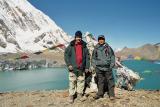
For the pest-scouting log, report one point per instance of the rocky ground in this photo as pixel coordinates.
(138, 98)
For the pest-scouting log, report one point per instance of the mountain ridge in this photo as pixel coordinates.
(147, 51)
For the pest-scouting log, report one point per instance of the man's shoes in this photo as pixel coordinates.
(97, 97)
(71, 99)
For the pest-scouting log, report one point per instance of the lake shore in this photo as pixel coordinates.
(137, 98)
(30, 61)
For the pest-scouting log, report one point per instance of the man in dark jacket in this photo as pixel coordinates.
(103, 59)
(77, 60)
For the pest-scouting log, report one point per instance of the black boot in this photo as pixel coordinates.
(97, 97)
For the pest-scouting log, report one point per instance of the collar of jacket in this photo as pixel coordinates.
(104, 45)
(84, 44)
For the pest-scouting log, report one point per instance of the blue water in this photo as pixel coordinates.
(57, 78)
(38, 79)
(149, 71)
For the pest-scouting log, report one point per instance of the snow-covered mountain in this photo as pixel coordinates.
(117, 49)
(25, 28)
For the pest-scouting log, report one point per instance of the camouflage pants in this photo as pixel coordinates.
(76, 83)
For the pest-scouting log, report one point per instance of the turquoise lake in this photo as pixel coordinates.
(57, 78)
(149, 71)
(38, 79)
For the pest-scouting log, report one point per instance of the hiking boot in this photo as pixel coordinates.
(81, 98)
(97, 97)
(71, 99)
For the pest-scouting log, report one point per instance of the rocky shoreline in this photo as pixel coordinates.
(27, 65)
(137, 98)
(10, 62)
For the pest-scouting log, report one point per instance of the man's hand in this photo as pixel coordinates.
(70, 67)
(86, 70)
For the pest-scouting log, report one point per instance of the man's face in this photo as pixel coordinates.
(78, 39)
(101, 41)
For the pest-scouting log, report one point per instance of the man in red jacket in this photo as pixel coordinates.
(77, 60)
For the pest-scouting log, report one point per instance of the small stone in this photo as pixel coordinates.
(106, 105)
(127, 99)
(143, 96)
(42, 95)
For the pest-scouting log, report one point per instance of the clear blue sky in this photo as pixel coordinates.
(130, 23)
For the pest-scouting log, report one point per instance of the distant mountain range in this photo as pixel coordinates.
(147, 51)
